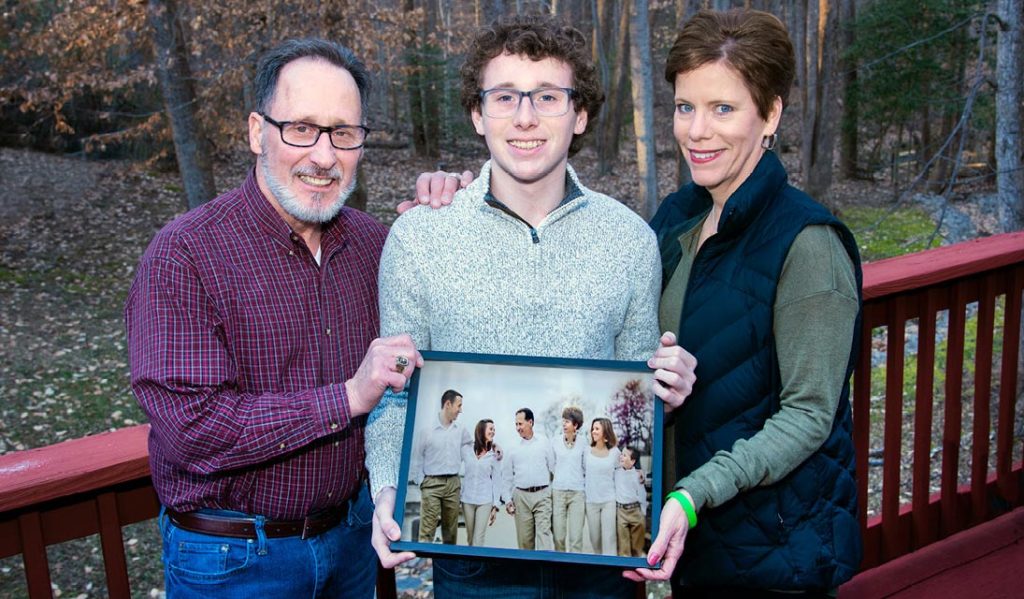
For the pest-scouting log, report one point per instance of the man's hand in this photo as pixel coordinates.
(436, 189)
(673, 372)
(668, 546)
(510, 507)
(380, 369)
(385, 530)
(494, 514)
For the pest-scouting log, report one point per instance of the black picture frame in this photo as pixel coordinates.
(496, 386)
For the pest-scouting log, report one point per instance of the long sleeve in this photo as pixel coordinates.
(639, 335)
(403, 309)
(186, 379)
(815, 309)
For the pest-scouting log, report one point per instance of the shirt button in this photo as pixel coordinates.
(328, 331)
(281, 446)
(329, 493)
(334, 426)
(335, 443)
(291, 253)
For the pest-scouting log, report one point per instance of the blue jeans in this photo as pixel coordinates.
(514, 579)
(337, 563)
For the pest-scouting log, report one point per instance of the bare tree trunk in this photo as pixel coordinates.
(1010, 169)
(191, 147)
(849, 136)
(643, 106)
(610, 121)
(820, 109)
(685, 9)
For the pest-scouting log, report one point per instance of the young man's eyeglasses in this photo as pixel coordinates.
(502, 103)
(304, 135)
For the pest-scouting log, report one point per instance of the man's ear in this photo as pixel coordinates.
(478, 121)
(581, 122)
(256, 133)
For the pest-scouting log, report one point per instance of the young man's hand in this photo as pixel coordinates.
(386, 530)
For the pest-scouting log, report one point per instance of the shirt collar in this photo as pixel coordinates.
(267, 218)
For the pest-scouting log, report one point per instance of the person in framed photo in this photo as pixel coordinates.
(600, 463)
(527, 474)
(630, 504)
(569, 505)
(436, 463)
(481, 486)
(535, 261)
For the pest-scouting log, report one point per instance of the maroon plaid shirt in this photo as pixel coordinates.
(240, 345)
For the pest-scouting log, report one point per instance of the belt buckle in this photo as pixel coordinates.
(306, 533)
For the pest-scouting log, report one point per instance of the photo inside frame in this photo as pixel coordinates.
(573, 445)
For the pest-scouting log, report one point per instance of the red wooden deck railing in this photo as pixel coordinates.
(99, 484)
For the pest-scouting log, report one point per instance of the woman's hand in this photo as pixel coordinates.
(667, 546)
(674, 369)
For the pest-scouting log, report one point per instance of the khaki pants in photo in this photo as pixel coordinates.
(533, 519)
(477, 518)
(601, 523)
(569, 508)
(439, 502)
(629, 525)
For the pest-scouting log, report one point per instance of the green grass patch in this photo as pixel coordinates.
(884, 235)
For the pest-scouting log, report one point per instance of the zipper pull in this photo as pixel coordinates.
(533, 234)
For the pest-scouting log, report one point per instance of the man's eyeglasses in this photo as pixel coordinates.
(502, 103)
(304, 135)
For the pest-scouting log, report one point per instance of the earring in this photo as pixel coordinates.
(769, 142)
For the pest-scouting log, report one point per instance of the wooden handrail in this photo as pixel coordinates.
(100, 483)
(938, 265)
(75, 466)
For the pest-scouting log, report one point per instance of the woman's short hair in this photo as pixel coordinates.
(753, 43)
(573, 415)
(480, 442)
(536, 37)
(607, 431)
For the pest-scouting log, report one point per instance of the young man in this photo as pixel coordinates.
(435, 467)
(567, 483)
(251, 325)
(526, 261)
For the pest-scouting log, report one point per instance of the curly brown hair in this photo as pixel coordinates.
(537, 37)
(754, 43)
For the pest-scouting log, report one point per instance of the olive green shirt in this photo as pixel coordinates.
(814, 314)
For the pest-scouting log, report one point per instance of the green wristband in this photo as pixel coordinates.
(687, 504)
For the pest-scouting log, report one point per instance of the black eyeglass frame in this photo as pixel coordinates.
(573, 95)
(320, 130)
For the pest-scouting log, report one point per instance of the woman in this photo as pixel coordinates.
(762, 284)
(599, 486)
(481, 493)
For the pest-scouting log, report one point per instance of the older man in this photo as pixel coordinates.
(527, 488)
(251, 326)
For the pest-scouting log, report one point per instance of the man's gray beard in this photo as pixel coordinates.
(317, 213)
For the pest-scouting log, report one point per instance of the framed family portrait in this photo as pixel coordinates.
(531, 458)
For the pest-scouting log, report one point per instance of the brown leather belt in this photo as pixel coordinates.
(242, 527)
(532, 489)
(629, 506)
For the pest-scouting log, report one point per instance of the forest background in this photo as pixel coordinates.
(117, 115)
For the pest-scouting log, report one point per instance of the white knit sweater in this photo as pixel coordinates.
(470, 278)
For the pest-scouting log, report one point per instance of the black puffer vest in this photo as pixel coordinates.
(801, 532)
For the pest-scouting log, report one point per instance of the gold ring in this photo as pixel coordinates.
(400, 363)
